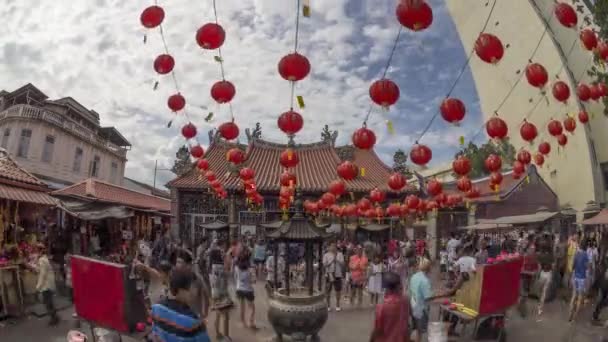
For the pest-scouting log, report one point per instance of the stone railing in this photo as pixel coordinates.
(35, 113)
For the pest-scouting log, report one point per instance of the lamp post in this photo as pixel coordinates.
(156, 169)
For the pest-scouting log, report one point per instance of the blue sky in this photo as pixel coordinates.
(92, 50)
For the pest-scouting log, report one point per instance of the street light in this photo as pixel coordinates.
(157, 169)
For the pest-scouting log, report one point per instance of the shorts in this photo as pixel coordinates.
(421, 324)
(259, 261)
(579, 285)
(336, 284)
(443, 268)
(356, 286)
(245, 295)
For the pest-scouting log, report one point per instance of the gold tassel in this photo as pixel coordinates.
(300, 100)
(362, 172)
(389, 127)
(289, 154)
(306, 9)
(461, 140)
(527, 179)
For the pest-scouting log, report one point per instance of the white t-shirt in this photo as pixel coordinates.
(334, 264)
(451, 247)
(466, 264)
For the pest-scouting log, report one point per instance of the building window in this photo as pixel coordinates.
(77, 160)
(24, 143)
(47, 150)
(5, 137)
(95, 167)
(113, 172)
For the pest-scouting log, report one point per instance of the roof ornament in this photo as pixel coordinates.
(255, 134)
(329, 136)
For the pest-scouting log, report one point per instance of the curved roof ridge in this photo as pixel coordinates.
(258, 142)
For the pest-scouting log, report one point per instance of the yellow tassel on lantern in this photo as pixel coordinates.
(467, 204)
(461, 140)
(527, 179)
(306, 9)
(300, 100)
(389, 127)
(362, 172)
(289, 154)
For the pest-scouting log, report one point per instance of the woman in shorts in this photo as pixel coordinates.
(219, 293)
(244, 289)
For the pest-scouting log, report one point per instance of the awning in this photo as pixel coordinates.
(25, 195)
(93, 211)
(600, 218)
(214, 225)
(538, 217)
(486, 226)
(373, 227)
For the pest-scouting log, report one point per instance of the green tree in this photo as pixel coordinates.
(400, 163)
(182, 163)
(478, 154)
(600, 17)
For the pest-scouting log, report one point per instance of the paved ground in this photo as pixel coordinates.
(350, 325)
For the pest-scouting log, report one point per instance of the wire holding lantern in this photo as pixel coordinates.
(220, 60)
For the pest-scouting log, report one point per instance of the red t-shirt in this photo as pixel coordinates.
(392, 319)
(392, 246)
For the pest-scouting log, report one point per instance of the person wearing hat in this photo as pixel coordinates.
(46, 283)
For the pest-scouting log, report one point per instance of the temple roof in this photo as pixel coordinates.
(316, 169)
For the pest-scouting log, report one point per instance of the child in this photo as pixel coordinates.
(392, 316)
(375, 279)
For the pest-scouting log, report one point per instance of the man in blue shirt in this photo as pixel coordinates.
(420, 294)
(579, 279)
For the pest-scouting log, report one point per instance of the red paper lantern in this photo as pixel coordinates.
(393, 210)
(452, 110)
(453, 200)
(364, 204)
(210, 175)
(286, 192)
(176, 102)
(416, 15)
(583, 117)
(432, 205)
(589, 39)
(163, 64)
(566, 14)
(347, 170)
(223, 91)
(473, 193)
(294, 67)
(203, 165)
(603, 89)
(246, 173)
(337, 187)
(528, 131)
(495, 178)
(288, 179)
(539, 159)
(189, 131)
(197, 151)
(562, 139)
(215, 184)
(569, 124)
(493, 163)
(289, 158)
(376, 195)
(434, 187)
(555, 128)
(396, 181)
(350, 210)
(537, 75)
(461, 166)
(596, 92)
(364, 138)
(152, 16)
(602, 50)
(384, 92)
(370, 213)
(412, 201)
(518, 167)
(497, 128)
(464, 184)
(583, 92)
(229, 130)
(489, 48)
(544, 148)
(441, 199)
(421, 154)
(524, 157)
(210, 36)
(561, 91)
(235, 156)
(290, 122)
(249, 184)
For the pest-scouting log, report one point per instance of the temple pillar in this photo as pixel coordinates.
(431, 233)
(471, 219)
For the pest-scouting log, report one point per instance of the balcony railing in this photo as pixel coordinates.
(35, 113)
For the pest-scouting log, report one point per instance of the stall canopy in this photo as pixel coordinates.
(537, 217)
(16, 184)
(93, 211)
(600, 218)
(374, 227)
(486, 225)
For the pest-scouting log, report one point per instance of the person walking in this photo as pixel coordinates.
(376, 269)
(580, 268)
(546, 261)
(259, 256)
(46, 284)
(358, 270)
(219, 293)
(392, 316)
(244, 289)
(333, 263)
(420, 294)
(602, 299)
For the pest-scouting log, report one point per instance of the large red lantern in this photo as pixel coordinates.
(555, 128)
(453, 200)
(350, 210)
(223, 91)
(286, 192)
(461, 166)
(473, 193)
(396, 181)
(518, 167)
(434, 187)
(464, 184)
(583, 117)
(602, 50)
(603, 89)
(294, 67)
(347, 170)
(189, 131)
(441, 199)
(493, 163)
(235, 156)
(376, 195)
(384, 92)
(203, 165)
(288, 179)
(431, 206)
(246, 173)
(152, 16)
(290, 122)
(589, 39)
(197, 151)
(524, 157)
(210, 36)
(416, 15)
(364, 204)
(566, 14)
(561, 91)
(544, 148)
(452, 110)
(176, 102)
(229, 130)
(210, 175)
(163, 64)
(537, 75)
(528, 131)
(289, 158)
(489, 48)
(495, 178)
(583, 92)
(393, 210)
(412, 201)
(596, 92)
(562, 140)
(497, 128)
(364, 138)
(337, 187)
(421, 154)
(539, 159)
(569, 124)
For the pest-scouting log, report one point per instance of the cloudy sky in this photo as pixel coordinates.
(93, 51)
